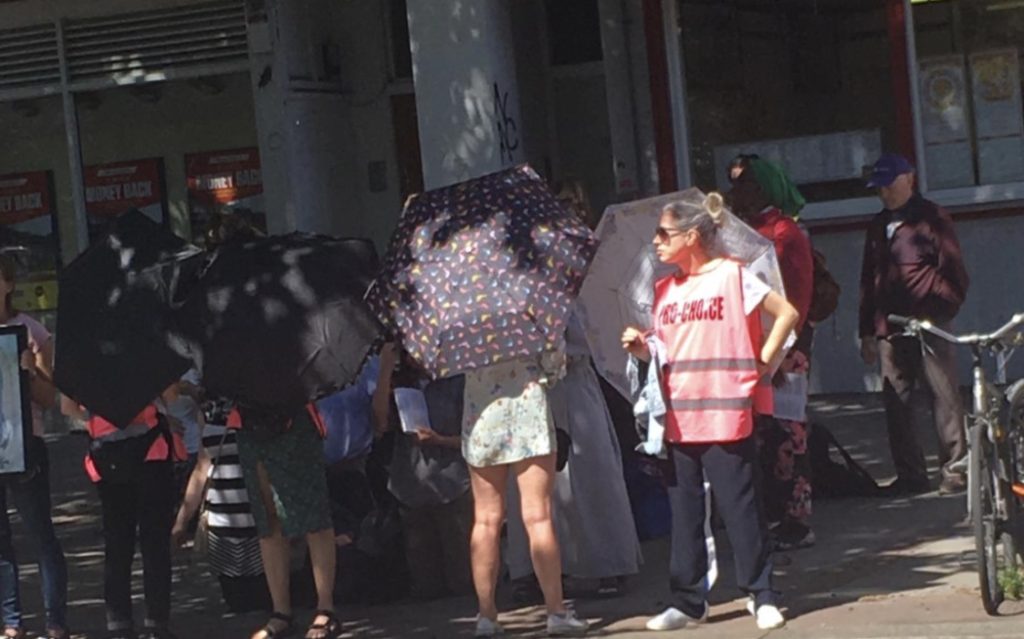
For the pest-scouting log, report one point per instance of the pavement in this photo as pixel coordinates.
(882, 568)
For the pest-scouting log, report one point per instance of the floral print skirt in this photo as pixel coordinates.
(506, 417)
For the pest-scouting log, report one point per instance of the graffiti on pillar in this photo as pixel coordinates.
(508, 130)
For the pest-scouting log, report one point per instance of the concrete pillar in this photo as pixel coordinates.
(303, 121)
(467, 98)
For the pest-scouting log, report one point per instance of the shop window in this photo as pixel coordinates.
(574, 31)
(182, 152)
(969, 74)
(33, 164)
(807, 84)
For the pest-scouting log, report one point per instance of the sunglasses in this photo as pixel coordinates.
(663, 234)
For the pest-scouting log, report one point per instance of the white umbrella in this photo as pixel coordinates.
(619, 288)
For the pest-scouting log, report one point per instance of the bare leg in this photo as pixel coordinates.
(535, 477)
(488, 512)
(275, 552)
(322, 553)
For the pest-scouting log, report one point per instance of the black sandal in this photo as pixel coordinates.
(329, 630)
(270, 633)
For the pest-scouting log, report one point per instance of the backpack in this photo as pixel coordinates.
(824, 288)
(825, 295)
(831, 478)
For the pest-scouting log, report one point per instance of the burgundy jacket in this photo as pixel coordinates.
(919, 272)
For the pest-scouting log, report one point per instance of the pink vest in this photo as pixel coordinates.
(711, 376)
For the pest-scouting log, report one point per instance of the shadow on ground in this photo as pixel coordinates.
(867, 550)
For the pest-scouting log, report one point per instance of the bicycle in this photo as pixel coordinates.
(995, 459)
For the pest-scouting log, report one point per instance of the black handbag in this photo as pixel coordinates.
(122, 461)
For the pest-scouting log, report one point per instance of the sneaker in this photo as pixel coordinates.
(675, 619)
(567, 624)
(487, 628)
(952, 484)
(768, 616)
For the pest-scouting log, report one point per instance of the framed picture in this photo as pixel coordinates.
(15, 401)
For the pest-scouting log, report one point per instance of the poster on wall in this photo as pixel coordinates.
(944, 119)
(943, 99)
(112, 189)
(225, 181)
(995, 80)
(28, 231)
(998, 116)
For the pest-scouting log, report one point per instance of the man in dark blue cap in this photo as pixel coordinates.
(913, 267)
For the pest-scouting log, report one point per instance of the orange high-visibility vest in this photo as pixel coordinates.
(101, 429)
(711, 381)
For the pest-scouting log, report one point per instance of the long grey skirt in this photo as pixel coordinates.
(593, 519)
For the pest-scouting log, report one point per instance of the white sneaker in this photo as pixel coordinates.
(768, 617)
(567, 624)
(675, 619)
(487, 628)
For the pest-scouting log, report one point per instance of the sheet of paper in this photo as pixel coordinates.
(412, 409)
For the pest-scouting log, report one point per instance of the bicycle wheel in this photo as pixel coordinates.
(994, 543)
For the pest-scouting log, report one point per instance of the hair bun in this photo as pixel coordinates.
(714, 204)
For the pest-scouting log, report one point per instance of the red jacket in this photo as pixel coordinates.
(793, 250)
(918, 272)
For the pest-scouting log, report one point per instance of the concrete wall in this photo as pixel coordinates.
(366, 59)
(989, 247)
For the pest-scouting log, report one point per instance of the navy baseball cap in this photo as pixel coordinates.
(888, 167)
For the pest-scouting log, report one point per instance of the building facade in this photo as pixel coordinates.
(323, 115)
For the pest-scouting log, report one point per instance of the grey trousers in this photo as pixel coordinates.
(905, 363)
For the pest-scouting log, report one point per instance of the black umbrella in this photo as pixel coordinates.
(279, 321)
(112, 352)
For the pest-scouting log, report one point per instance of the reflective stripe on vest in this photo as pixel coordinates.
(719, 364)
(713, 403)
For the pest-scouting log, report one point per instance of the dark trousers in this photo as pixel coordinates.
(142, 509)
(730, 470)
(904, 363)
(31, 496)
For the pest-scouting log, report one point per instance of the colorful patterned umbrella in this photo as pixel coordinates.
(619, 289)
(482, 272)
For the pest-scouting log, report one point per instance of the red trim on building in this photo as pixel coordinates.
(661, 100)
(896, 20)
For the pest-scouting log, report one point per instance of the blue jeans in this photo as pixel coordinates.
(32, 499)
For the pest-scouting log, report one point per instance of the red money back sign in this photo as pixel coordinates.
(24, 196)
(222, 177)
(112, 189)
